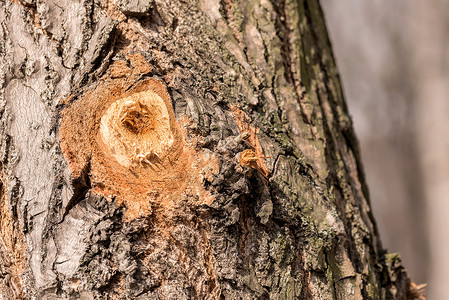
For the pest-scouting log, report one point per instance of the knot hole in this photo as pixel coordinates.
(137, 118)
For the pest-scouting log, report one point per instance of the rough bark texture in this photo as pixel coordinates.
(261, 195)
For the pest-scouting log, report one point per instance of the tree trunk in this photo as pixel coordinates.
(180, 150)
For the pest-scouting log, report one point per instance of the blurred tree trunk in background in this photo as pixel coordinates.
(394, 58)
(431, 81)
(279, 211)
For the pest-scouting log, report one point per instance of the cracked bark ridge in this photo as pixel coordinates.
(296, 224)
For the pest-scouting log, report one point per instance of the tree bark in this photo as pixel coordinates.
(181, 150)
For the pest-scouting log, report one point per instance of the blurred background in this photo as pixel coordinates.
(393, 58)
